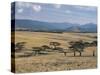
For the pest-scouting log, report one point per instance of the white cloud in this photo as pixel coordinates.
(87, 8)
(20, 10)
(28, 4)
(37, 8)
(23, 4)
(68, 11)
(57, 5)
(20, 4)
(90, 8)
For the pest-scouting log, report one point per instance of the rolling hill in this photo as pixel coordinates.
(32, 25)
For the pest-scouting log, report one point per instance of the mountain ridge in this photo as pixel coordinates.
(34, 25)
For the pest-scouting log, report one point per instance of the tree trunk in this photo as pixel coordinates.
(65, 53)
(80, 53)
(93, 53)
(74, 53)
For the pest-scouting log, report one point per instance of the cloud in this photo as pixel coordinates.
(23, 4)
(68, 11)
(28, 4)
(87, 8)
(57, 6)
(37, 8)
(20, 10)
(20, 4)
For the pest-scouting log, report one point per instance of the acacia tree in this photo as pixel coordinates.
(44, 47)
(77, 46)
(54, 45)
(87, 44)
(94, 43)
(19, 46)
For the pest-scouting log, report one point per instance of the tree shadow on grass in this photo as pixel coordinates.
(43, 53)
(30, 55)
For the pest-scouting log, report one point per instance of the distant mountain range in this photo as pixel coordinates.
(32, 25)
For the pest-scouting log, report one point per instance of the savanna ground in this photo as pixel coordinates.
(53, 61)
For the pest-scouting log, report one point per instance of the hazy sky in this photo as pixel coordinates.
(55, 12)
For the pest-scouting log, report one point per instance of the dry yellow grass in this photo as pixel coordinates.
(54, 61)
(42, 38)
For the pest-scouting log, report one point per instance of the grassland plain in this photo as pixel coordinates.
(54, 61)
